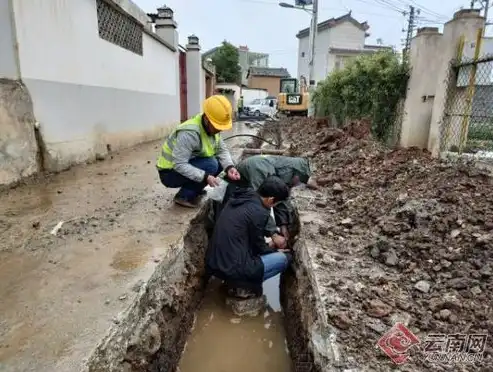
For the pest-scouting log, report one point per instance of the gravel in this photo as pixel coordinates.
(415, 232)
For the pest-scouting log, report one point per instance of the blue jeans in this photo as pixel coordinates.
(275, 263)
(190, 190)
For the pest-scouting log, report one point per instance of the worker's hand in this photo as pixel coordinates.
(233, 174)
(212, 181)
(280, 241)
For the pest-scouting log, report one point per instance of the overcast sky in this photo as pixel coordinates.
(266, 27)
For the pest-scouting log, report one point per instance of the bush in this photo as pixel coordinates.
(481, 131)
(369, 86)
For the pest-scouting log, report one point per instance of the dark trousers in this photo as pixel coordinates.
(190, 190)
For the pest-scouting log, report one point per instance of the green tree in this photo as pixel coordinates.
(370, 86)
(226, 59)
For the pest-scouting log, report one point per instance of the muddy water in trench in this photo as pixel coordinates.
(223, 342)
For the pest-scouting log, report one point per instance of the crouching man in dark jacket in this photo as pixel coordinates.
(238, 252)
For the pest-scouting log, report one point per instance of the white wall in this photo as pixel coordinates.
(322, 44)
(8, 55)
(421, 89)
(237, 92)
(202, 92)
(250, 94)
(346, 35)
(76, 54)
(88, 92)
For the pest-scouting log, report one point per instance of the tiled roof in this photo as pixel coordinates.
(368, 49)
(377, 47)
(269, 71)
(334, 22)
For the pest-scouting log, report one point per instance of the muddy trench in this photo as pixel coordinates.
(180, 321)
(173, 315)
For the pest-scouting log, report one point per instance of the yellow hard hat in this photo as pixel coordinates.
(218, 110)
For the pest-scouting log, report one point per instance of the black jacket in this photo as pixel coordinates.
(238, 241)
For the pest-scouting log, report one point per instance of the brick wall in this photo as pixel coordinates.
(272, 84)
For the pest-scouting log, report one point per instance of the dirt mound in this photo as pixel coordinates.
(404, 237)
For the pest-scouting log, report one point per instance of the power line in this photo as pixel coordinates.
(381, 4)
(427, 10)
(417, 6)
(389, 5)
(327, 8)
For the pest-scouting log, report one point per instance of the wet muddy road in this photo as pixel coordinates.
(60, 293)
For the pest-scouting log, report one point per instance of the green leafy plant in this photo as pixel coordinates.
(481, 131)
(226, 60)
(369, 86)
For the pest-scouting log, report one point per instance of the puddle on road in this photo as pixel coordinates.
(129, 259)
(223, 342)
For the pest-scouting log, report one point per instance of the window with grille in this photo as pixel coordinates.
(117, 28)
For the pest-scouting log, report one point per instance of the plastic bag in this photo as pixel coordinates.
(217, 193)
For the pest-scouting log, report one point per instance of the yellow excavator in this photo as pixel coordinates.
(293, 98)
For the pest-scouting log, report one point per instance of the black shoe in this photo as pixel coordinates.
(184, 202)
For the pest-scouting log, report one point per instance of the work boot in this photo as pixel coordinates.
(248, 307)
(241, 293)
(184, 202)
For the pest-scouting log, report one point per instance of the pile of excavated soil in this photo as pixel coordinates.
(399, 236)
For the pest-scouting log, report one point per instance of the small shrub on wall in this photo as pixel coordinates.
(370, 86)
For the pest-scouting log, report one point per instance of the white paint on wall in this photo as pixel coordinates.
(59, 41)
(421, 89)
(202, 77)
(346, 35)
(87, 92)
(8, 55)
(195, 82)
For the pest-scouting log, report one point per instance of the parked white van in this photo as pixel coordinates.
(260, 107)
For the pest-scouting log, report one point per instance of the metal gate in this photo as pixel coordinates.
(467, 125)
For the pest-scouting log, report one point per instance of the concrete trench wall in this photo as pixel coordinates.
(18, 148)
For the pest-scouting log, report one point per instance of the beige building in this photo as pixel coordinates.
(268, 78)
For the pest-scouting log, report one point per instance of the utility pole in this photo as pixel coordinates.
(311, 65)
(411, 24)
(486, 7)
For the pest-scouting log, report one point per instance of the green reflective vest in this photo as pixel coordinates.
(208, 144)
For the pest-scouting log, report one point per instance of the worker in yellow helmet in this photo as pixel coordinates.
(194, 154)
